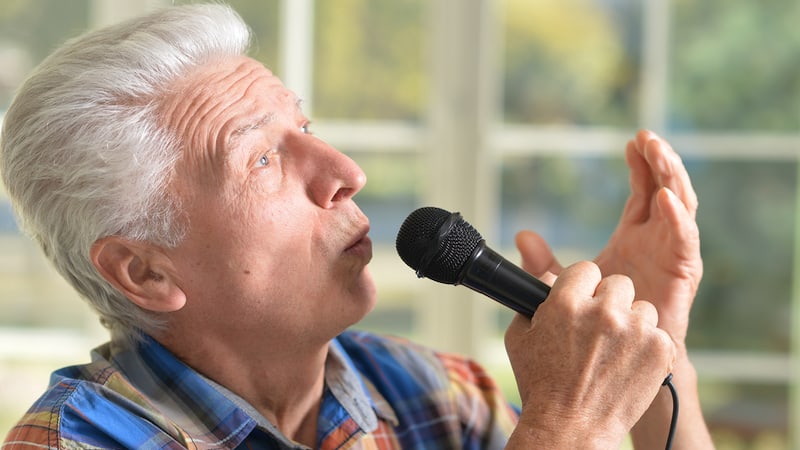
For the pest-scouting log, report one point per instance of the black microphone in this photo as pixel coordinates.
(442, 246)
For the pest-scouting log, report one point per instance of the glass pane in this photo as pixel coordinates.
(263, 17)
(746, 219)
(393, 314)
(7, 222)
(32, 295)
(735, 65)
(574, 202)
(369, 59)
(746, 416)
(392, 191)
(571, 62)
(747, 223)
(29, 31)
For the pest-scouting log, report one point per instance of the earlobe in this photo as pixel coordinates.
(139, 271)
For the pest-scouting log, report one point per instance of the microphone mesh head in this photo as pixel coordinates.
(423, 240)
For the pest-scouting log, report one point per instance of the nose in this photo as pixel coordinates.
(331, 176)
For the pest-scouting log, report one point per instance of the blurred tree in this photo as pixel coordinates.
(264, 18)
(369, 59)
(735, 65)
(42, 24)
(747, 230)
(29, 30)
(571, 62)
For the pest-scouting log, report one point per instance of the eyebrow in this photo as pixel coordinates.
(260, 122)
(244, 129)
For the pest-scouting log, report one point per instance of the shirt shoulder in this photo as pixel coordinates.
(81, 407)
(44, 424)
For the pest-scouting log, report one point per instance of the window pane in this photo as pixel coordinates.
(571, 62)
(394, 314)
(574, 202)
(369, 60)
(7, 222)
(392, 191)
(32, 295)
(747, 223)
(29, 31)
(735, 65)
(746, 416)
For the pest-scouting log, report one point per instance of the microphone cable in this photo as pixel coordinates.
(674, 420)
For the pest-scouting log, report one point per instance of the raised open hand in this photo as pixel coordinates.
(656, 242)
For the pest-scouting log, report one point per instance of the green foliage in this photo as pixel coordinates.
(369, 59)
(42, 24)
(747, 224)
(570, 62)
(736, 65)
(263, 17)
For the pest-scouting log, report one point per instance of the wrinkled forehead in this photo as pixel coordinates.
(218, 96)
(216, 104)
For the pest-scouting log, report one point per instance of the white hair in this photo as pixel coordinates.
(84, 154)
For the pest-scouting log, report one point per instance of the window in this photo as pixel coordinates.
(516, 114)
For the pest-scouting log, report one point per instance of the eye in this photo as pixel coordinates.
(263, 161)
(306, 128)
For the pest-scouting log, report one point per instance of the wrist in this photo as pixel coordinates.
(562, 432)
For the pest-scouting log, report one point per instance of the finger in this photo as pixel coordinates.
(641, 182)
(617, 290)
(668, 346)
(578, 282)
(648, 314)
(669, 170)
(680, 219)
(646, 311)
(537, 257)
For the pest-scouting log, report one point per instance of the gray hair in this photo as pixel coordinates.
(84, 154)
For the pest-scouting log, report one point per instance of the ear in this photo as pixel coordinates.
(140, 271)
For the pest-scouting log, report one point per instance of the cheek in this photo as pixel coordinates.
(279, 233)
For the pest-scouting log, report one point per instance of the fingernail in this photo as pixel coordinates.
(672, 196)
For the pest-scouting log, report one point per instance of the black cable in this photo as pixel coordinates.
(674, 421)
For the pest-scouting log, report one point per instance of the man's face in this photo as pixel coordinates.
(276, 243)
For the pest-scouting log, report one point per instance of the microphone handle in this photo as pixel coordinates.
(490, 274)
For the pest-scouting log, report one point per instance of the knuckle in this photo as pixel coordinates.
(661, 346)
(621, 281)
(611, 323)
(568, 308)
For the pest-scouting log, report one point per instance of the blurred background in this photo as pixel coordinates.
(516, 114)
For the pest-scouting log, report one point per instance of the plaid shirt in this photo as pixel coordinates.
(381, 393)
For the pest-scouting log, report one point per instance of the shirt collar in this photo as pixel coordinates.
(354, 392)
(210, 413)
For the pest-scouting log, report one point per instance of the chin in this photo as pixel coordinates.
(364, 296)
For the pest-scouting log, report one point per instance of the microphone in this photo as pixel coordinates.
(442, 246)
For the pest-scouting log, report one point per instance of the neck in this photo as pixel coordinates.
(282, 382)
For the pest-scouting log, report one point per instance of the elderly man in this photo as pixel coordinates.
(175, 183)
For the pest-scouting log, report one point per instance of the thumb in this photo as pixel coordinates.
(537, 257)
